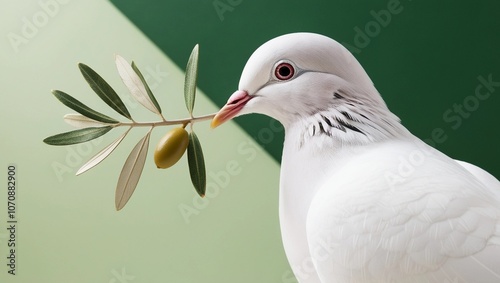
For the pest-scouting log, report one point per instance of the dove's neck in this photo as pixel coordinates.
(344, 122)
(315, 145)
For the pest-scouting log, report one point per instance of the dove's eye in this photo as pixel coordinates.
(284, 71)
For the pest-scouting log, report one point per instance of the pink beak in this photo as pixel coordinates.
(233, 106)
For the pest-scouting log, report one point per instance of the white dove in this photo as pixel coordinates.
(361, 198)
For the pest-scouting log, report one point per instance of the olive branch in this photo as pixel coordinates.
(93, 124)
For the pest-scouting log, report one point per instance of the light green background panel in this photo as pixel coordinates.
(68, 229)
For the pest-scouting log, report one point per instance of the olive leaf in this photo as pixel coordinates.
(131, 172)
(148, 90)
(81, 108)
(190, 80)
(80, 121)
(134, 84)
(77, 136)
(104, 90)
(105, 152)
(196, 164)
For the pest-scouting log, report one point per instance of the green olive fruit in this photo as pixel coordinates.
(171, 148)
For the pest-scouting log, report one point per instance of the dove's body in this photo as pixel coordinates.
(361, 199)
(395, 211)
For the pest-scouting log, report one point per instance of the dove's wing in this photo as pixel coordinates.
(404, 210)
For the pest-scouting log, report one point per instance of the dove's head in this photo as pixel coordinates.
(296, 75)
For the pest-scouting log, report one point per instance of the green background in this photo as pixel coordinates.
(424, 61)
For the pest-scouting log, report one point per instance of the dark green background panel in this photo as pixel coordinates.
(425, 58)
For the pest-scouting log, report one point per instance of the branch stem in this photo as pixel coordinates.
(183, 122)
